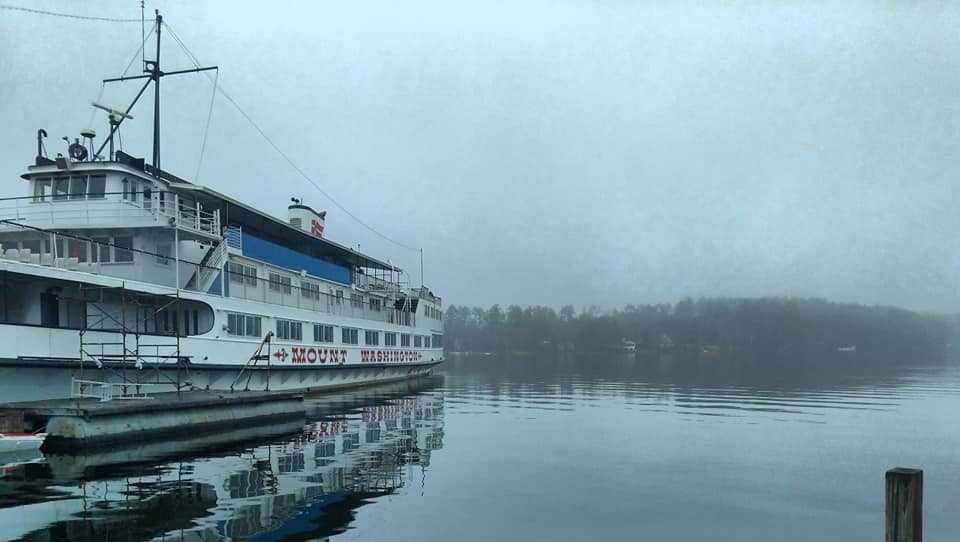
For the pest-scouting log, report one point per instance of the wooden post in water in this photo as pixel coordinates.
(904, 518)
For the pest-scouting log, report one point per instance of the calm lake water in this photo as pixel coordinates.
(530, 448)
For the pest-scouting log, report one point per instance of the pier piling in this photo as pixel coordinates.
(904, 509)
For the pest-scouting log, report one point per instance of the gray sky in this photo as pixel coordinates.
(556, 152)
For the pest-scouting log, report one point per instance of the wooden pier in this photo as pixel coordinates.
(904, 505)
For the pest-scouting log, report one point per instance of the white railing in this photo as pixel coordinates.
(110, 211)
(374, 284)
(109, 391)
(258, 289)
(193, 217)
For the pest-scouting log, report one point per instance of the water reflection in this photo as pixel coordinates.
(292, 481)
(798, 393)
(683, 450)
(533, 447)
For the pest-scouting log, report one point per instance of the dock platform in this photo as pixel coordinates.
(73, 424)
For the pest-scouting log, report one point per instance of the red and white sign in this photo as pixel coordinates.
(316, 227)
(310, 355)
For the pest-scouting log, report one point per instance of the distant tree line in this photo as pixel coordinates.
(763, 326)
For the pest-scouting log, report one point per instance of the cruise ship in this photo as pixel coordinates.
(120, 277)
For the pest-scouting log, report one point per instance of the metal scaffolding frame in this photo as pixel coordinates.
(128, 367)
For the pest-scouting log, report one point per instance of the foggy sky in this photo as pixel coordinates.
(596, 153)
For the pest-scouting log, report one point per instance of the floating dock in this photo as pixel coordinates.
(73, 424)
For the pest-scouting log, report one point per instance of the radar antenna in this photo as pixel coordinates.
(116, 117)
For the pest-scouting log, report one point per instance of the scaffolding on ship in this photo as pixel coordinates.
(133, 363)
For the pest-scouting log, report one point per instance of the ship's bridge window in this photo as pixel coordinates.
(129, 189)
(426, 341)
(374, 304)
(371, 338)
(438, 341)
(61, 187)
(78, 187)
(417, 341)
(42, 189)
(289, 331)
(389, 339)
(74, 187)
(97, 187)
(405, 339)
(356, 300)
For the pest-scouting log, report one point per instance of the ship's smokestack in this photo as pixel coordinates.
(305, 218)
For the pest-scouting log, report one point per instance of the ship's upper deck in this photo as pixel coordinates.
(195, 207)
(117, 218)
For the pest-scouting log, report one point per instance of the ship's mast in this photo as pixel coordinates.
(156, 74)
(152, 73)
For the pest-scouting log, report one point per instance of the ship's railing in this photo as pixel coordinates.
(374, 284)
(109, 391)
(110, 210)
(313, 299)
(191, 215)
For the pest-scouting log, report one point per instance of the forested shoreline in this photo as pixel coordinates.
(778, 327)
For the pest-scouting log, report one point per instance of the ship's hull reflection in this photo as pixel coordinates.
(296, 480)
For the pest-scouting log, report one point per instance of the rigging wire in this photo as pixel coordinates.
(93, 111)
(282, 154)
(139, 50)
(67, 15)
(217, 88)
(143, 37)
(206, 129)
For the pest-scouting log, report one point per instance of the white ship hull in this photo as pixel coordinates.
(39, 362)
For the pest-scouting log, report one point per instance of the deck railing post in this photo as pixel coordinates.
(904, 505)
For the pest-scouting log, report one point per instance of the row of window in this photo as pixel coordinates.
(247, 274)
(246, 325)
(74, 187)
(102, 249)
(434, 313)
